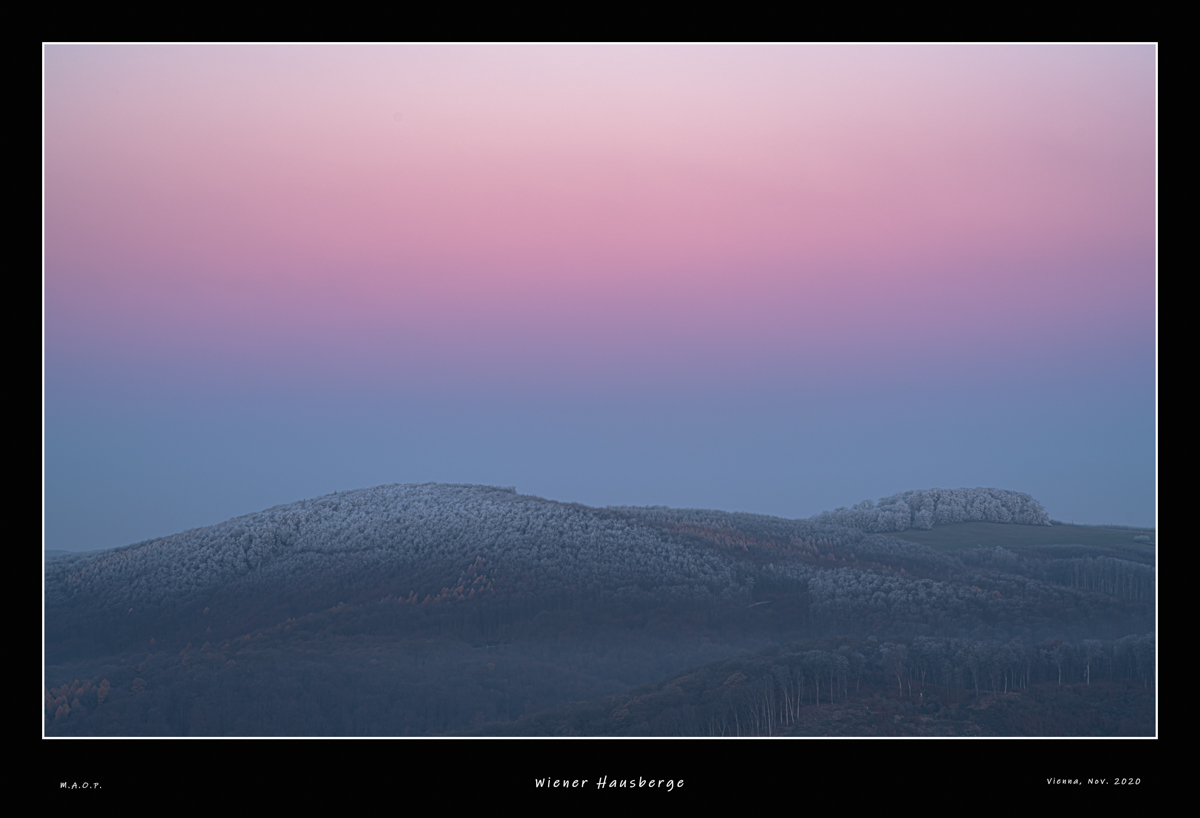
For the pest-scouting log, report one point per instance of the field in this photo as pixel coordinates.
(970, 535)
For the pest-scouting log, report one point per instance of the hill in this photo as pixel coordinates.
(957, 536)
(844, 687)
(430, 609)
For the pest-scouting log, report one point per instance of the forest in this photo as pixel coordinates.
(435, 609)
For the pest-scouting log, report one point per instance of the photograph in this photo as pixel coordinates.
(564, 398)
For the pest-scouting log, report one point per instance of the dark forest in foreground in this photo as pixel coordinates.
(474, 610)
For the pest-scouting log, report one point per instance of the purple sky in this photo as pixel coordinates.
(763, 278)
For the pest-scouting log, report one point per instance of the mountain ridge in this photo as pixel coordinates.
(445, 606)
(433, 542)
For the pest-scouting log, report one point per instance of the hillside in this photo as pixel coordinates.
(394, 597)
(919, 687)
(957, 536)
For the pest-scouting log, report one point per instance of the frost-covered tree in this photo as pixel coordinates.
(925, 508)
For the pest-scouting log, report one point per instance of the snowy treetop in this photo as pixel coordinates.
(925, 508)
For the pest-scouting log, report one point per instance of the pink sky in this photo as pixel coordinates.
(770, 278)
(671, 202)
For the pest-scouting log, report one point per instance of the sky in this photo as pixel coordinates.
(766, 278)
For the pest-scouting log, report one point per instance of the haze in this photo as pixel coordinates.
(776, 279)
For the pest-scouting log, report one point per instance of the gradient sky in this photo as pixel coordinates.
(769, 278)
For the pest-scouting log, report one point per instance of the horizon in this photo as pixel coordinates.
(516, 489)
(777, 279)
